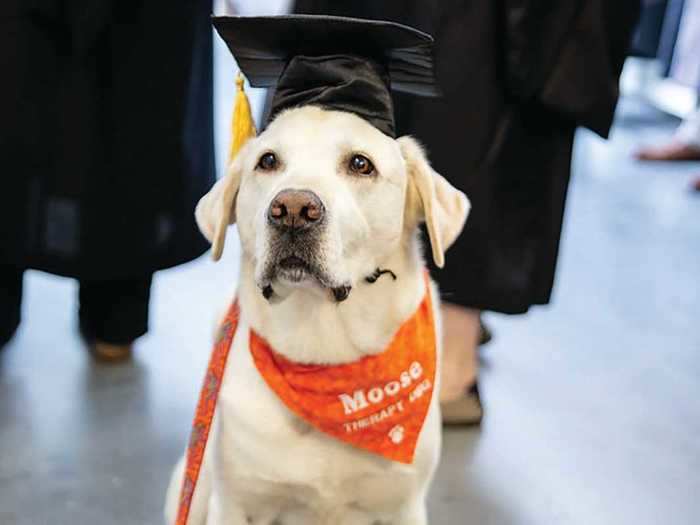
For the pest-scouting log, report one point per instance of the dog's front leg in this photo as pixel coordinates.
(414, 514)
(225, 513)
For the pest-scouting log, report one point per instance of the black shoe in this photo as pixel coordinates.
(6, 337)
(7, 332)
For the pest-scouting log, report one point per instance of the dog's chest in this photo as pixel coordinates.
(260, 442)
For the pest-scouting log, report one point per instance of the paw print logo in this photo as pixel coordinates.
(396, 434)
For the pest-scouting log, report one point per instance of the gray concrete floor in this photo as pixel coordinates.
(593, 403)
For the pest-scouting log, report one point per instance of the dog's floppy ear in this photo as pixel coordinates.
(432, 199)
(215, 211)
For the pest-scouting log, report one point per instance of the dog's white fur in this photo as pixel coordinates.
(263, 465)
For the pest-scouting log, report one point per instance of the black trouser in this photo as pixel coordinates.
(114, 311)
(10, 301)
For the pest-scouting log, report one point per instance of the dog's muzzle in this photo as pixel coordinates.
(296, 219)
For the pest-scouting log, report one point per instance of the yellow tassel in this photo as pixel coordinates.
(242, 124)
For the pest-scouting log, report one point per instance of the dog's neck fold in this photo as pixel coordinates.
(311, 328)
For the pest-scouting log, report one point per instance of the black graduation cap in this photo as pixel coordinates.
(339, 63)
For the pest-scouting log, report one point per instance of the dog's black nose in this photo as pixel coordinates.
(295, 209)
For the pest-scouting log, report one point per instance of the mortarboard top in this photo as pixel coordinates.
(339, 63)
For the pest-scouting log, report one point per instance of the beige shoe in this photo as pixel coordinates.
(110, 353)
(463, 411)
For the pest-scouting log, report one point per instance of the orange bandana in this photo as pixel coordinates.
(378, 404)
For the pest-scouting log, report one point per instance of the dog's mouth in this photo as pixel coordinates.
(292, 271)
(295, 269)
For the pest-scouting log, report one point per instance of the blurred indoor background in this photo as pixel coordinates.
(592, 403)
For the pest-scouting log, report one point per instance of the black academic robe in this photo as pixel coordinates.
(106, 136)
(518, 77)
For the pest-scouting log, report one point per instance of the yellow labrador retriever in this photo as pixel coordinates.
(355, 197)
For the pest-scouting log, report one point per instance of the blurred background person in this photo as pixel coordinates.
(517, 79)
(106, 145)
(684, 68)
(684, 145)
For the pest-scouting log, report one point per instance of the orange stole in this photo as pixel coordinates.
(204, 414)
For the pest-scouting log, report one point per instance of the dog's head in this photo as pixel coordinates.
(322, 199)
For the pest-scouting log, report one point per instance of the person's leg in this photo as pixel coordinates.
(459, 398)
(113, 314)
(459, 356)
(11, 280)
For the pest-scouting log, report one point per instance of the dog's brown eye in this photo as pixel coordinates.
(361, 164)
(268, 162)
